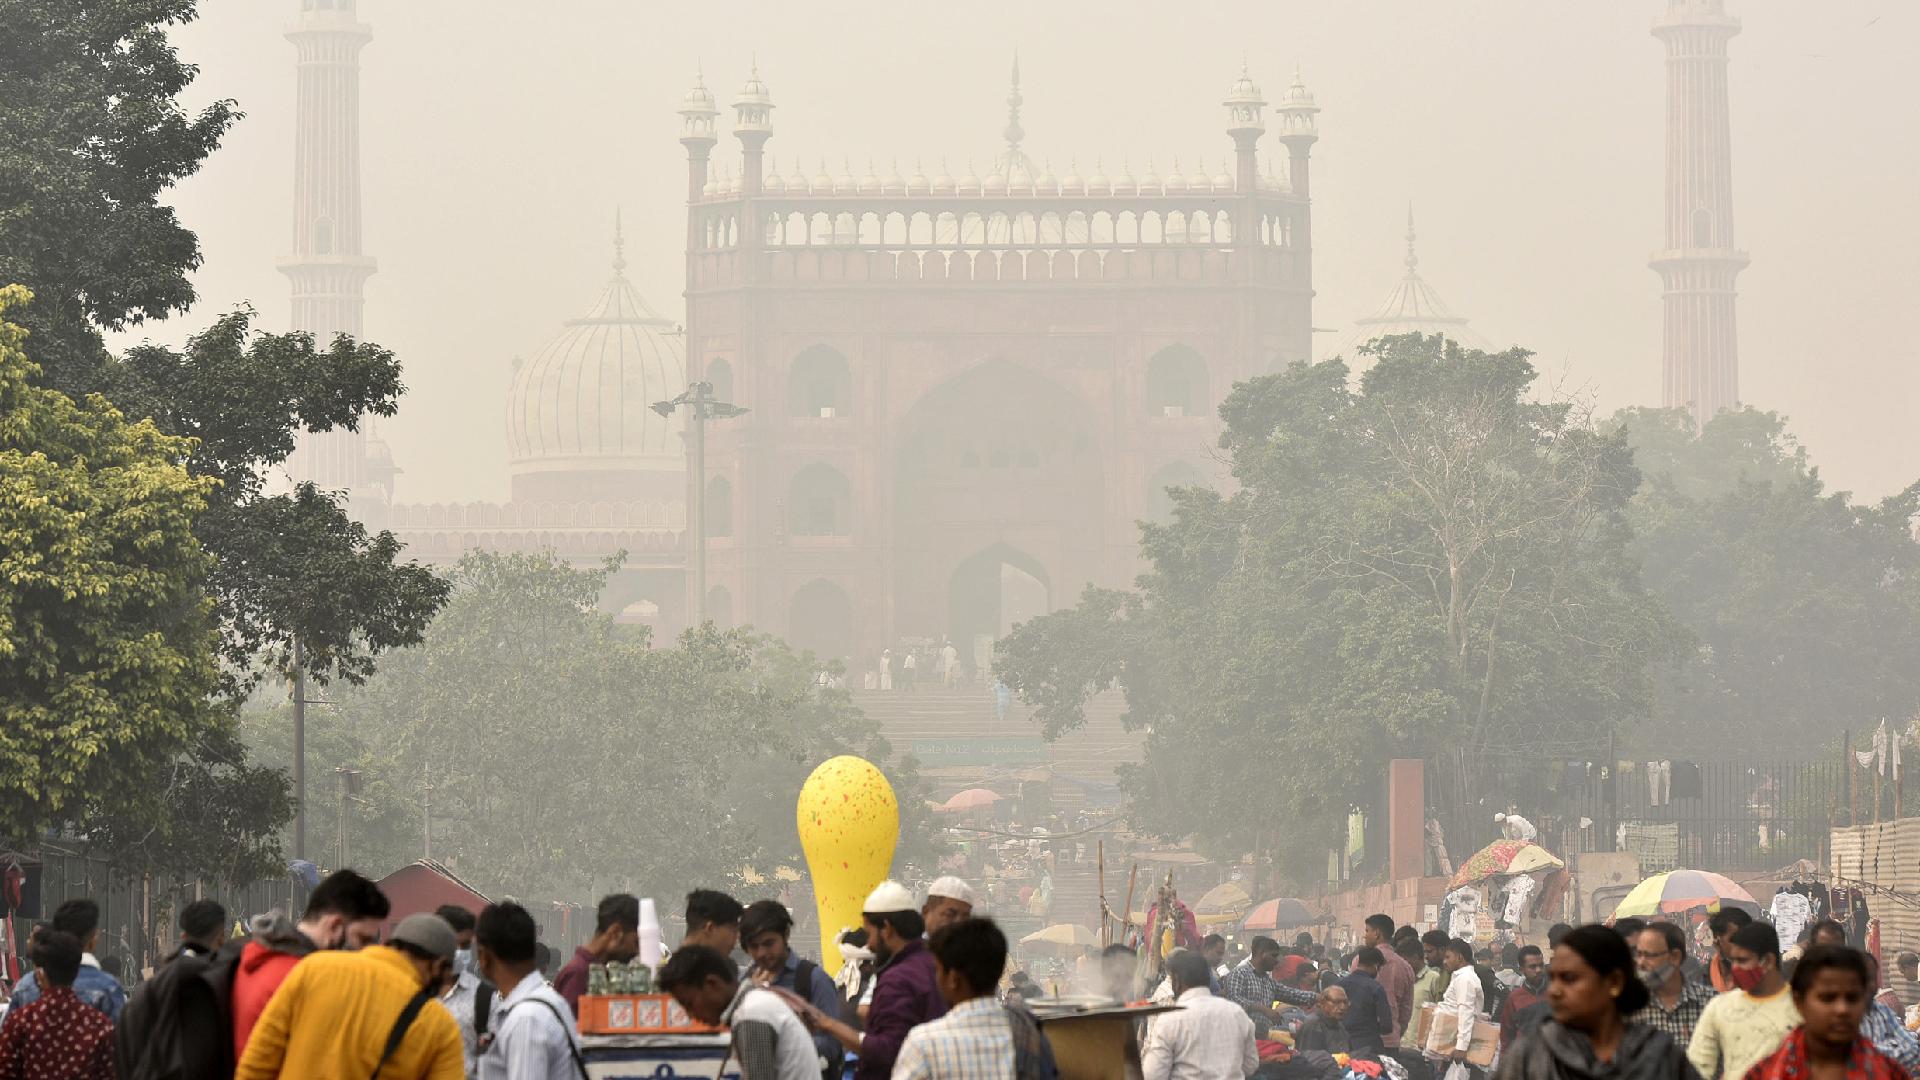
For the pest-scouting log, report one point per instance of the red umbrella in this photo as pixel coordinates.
(1280, 913)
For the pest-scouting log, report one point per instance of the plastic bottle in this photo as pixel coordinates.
(649, 938)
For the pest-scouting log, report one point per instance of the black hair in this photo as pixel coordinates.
(507, 931)
(1436, 938)
(762, 916)
(856, 937)
(1116, 949)
(1826, 926)
(56, 953)
(1758, 938)
(348, 895)
(973, 947)
(1262, 944)
(1555, 933)
(1382, 922)
(706, 907)
(1676, 937)
(691, 965)
(1211, 940)
(1459, 948)
(202, 918)
(1727, 920)
(1510, 954)
(1189, 969)
(1822, 957)
(1302, 940)
(457, 917)
(1520, 957)
(1628, 927)
(1606, 952)
(542, 956)
(1369, 957)
(114, 964)
(1410, 950)
(79, 916)
(1406, 932)
(908, 924)
(619, 909)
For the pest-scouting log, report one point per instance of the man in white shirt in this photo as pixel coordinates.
(1206, 1038)
(531, 1034)
(769, 1040)
(1465, 997)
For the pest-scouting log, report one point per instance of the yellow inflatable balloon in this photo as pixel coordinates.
(849, 823)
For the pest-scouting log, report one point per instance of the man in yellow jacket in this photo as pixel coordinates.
(336, 1014)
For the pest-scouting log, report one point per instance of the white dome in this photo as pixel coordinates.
(582, 403)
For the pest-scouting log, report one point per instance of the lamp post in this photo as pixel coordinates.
(701, 406)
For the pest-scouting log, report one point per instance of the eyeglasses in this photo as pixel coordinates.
(1642, 954)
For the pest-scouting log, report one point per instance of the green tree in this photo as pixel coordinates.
(107, 644)
(1804, 606)
(92, 134)
(1433, 561)
(566, 753)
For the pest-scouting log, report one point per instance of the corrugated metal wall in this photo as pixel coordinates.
(1887, 856)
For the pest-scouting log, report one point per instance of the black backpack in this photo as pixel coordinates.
(179, 1025)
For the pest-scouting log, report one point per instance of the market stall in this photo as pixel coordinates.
(1499, 889)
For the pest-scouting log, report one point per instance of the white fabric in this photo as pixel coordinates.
(1790, 915)
(531, 1042)
(1515, 827)
(1517, 893)
(1206, 1038)
(1466, 999)
(798, 1058)
(890, 896)
(951, 888)
(1464, 908)
(459, 1002)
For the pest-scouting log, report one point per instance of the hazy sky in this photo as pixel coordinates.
(498, 138)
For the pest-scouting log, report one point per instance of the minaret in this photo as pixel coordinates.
(1699, 263)
(327, 269)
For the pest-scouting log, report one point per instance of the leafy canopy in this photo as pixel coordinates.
(1434, 560)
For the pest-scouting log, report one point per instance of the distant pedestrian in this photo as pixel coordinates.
(909, 669)
(766, 928)
(470, 997)
(80, 917)
(203, 927)
(175, 1025)
(531, 1034)
(616, 937)
(368, 1013)
(56, 1036)
(1206, 1038)
(713, 920)
(344, 912)
(1369, 1016)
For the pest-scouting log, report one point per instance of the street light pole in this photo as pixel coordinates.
(299, 751)
(701, 407)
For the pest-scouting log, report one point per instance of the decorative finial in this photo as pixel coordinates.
(619, 244)
(1412, 259)
(1014, 132)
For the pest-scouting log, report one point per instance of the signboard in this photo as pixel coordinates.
(1010, 750)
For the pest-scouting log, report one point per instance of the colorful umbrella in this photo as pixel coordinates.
(1223, 899)
(1066, 938)
(1683, 890)
(974, 798)
(1281, 913)
(1504, 857)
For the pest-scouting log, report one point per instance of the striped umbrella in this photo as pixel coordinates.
(1684, 890)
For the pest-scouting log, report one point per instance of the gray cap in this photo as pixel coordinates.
(428, 933)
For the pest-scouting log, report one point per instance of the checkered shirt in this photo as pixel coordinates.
(974, 1041)
(1685, 1015)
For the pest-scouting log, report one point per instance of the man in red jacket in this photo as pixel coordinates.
(344, 912)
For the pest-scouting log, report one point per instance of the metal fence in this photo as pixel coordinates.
(1723, 815)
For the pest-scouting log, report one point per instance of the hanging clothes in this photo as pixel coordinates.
(1517, 893)
(1659, 781)
(1463, 912)
(1790, 914)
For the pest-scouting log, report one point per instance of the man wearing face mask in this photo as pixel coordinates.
(344, 912)
(369, 1012)
(1744, 1025)
(470, 998)
(1677, 1001)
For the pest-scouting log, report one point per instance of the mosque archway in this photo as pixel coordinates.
(991, 592)
(1177, 383)
(820, 619)
(1172, 474)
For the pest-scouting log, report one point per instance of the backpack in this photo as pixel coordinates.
(482, 1010)
(177, 1026)
(803, 986)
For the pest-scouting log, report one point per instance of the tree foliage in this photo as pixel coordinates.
(1804, 607)
(107, 645)
(92, 134)
(1434, 560)
(566, 753)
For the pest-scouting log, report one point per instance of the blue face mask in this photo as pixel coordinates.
(462, 961)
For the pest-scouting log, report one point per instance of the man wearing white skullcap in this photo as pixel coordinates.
(949, 900)
(907, 992)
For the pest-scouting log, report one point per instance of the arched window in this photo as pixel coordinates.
(820, 502)
(1171, 475)
(720, 375)
(1176, 383)
(1702, 228)
(719, 507)
(820, 383)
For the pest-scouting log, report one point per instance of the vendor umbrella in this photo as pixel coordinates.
(1281, 913)
(1064, 938)
(1504, 857)
(1684, 890)
(1223, 899)
(974, 798)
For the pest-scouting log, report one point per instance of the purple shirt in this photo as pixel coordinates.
(571, 981)
(905, 995)
(1396, 978)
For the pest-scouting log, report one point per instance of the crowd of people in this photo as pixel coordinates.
(925, 991)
